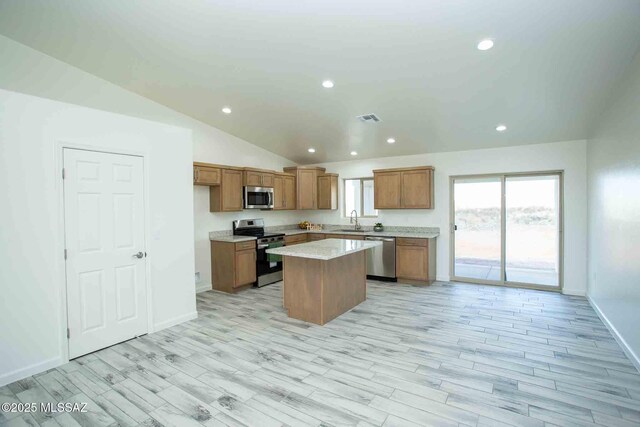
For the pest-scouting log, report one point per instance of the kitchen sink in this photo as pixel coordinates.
(351, 230)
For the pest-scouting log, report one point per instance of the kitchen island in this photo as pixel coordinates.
(324, 279)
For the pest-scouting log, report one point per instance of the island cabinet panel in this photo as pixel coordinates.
(306, 185)
(302, 290)
(318, 291)
(410, 188)
(258, 178)
(227, 197)
(328, 191)
(233, 265)
(295, 239)
(412, 260)
(336, 297)
(206, 175)
(387, 190)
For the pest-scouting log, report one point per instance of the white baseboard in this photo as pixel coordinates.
(27, 371)
(621, 341)
(175, 321)
(574, 292)
(203, 287)
(442, 279)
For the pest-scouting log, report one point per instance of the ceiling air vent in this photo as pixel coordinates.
(369, 118)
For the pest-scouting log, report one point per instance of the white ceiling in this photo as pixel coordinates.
(413, 62)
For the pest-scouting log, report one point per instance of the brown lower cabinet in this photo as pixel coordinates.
(413, 261)
(295, 239)
(233, 265)
(345, 236)
(312, 237)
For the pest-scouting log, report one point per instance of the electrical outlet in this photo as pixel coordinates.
(197, 277)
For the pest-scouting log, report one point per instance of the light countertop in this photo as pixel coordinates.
(409, 234)
(222, 236)
(325, 249)
(231, 238)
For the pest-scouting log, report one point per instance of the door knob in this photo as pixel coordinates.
(139, 255)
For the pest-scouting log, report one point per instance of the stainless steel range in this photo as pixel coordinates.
(268, 267)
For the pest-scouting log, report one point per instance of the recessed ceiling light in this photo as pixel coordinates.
(391, 141)
(226, 110)
(485, 44)
(501, 128)
(354, 153)
(327, 84)
(311, 150)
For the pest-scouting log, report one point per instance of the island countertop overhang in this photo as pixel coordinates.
(325, 249)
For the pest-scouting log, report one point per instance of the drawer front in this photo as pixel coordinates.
(345, 236)
(336, 236)
(353, 236)
(405, 241)
(316, 236)
(295, 239)
(241, 246)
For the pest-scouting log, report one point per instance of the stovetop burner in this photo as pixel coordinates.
(252, 227)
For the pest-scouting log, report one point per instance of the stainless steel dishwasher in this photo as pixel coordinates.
(381, 260)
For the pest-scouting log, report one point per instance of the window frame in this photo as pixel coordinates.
(344, 197)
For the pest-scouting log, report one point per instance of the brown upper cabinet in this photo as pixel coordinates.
(404, 188)
(328, 191)
(284, 191)
(227, 197)
(306, 185)
(258, 178)
(206, 174)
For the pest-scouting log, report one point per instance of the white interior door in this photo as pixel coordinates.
(104, 239)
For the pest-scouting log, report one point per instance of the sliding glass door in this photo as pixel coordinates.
(506, 229)
(478, 236)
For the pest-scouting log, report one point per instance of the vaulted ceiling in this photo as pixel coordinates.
(414, 63)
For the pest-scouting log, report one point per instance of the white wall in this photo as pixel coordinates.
(28, 71)
(31, 237)
(567, 156)
(614, 213)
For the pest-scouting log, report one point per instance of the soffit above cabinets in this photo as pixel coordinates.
(547, 77)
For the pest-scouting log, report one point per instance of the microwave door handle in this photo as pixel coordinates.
(270, 199)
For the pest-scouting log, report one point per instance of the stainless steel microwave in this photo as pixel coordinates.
(258, 198)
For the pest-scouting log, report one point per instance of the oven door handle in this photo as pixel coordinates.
(263, 246)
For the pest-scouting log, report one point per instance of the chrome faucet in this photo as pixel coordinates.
(357, 226)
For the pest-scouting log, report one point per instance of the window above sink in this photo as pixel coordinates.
(358, 196)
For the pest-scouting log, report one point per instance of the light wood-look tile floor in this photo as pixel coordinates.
(444, 355)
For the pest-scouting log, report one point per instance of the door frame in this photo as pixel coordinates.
(59, 148)
(503, 224)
